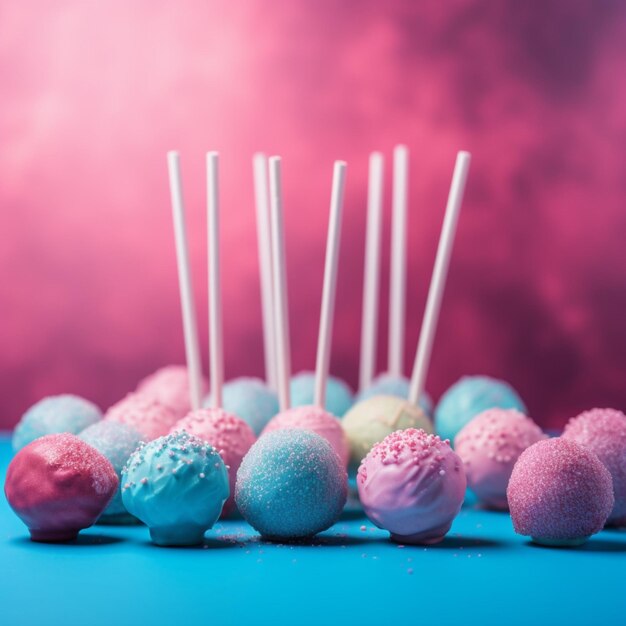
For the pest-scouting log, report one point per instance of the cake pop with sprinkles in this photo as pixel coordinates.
(412, 484)
(170, 386)
(469, 397)
(603, 431)
(145, 414)
(177, 486)
(373, 419)
(116, 441)
(58, 485)
(55, 414)
(291, 485)
(489, 446)
(559, 493)
(392, 382)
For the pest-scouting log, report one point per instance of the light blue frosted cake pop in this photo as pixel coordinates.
(250, 399)
(177, 486)
(338, 395)
(398, 386)
(470, 396)
(291, 484)
(116, 441)
(55, 414)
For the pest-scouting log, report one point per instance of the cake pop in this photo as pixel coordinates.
(470, 396)
(380, 415)
(291, 485)
(250, 399)
(116, 441)
(603, 431)
(338, 393)
(177, 486)
(147, 415)
(316, 420)
(398, 386)
(170, 386)
(58, 485)
(228, 434)
(489, 446)
(559, 493)
(55, 414)
(412, 484)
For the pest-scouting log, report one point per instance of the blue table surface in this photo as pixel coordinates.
(483, 573)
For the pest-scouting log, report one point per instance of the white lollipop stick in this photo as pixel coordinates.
(371, 271)
(330, 284)
(397, 288)
(190, 326)
(265, 265)
(438, 280)
(279, 270)
(216, 346)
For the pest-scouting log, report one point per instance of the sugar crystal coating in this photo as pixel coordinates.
(55, 414)
(291, 485)
(58, 485)
(250, 399)
(489, 446)
(559, 492)
(228, 434)
(176, 485)
(147, 415)
(412, 484)
(316, 420)
(603, 431)
(338, 394)
(116, 441)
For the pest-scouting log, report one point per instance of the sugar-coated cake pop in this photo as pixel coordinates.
(144, 413)
(412, 484)
(470, 396)
(55, 414)
(370, 421)
(116, 441)
(603, 431)
(250, 399)
(489, 446)
(170, 386)
(228, 434)
(177, 486)
(338, 394)
(559, 493)
(291, 485)
(316, 420)
(58, 485)
(389, 385)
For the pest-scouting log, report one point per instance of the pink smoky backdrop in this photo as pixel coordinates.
(92, 95)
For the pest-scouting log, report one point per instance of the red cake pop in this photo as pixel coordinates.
(58, 485)
(560, 493)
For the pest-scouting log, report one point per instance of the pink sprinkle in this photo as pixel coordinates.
(144, 481)
(363, 528)
(202, 475)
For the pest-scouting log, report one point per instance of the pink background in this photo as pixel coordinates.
(94, 94)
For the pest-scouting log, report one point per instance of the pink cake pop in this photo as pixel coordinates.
(412, 484)
(58, 485)
(603, 431)
(489, 447)
(560, 493)
(231, 436)
(170, 386)
(145, 414)
(317, 420)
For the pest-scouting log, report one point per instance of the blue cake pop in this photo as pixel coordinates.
(398, 386)
(470, 396)
(250, 399)
(291, 485)
(338, 395)
(116, 441)
(177, 486)
(55, 414)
